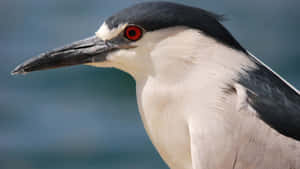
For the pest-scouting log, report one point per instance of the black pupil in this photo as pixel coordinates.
(132, 33)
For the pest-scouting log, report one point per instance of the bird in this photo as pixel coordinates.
(205, 101)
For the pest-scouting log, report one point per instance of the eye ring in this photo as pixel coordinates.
(133, 32)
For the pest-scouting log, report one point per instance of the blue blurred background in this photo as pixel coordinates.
(86, 118)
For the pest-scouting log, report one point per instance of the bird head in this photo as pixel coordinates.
(147, 38)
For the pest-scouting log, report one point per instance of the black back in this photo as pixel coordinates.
(158, 15)
(274, 101)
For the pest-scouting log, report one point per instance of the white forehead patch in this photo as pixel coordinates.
(105, 33)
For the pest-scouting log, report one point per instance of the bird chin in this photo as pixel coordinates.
(105, 64)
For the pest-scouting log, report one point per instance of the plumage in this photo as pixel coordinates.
(274, 100)
(227, 130)
(158, 15)
(206, 103)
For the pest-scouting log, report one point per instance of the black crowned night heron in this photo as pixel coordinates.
(205, 101)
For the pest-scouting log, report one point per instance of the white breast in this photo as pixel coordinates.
(162, 111)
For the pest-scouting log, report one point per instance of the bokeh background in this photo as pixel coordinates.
(86, 118)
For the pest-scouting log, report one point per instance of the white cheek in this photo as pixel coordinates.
(122, 59)
(122, 56)
(100, 64)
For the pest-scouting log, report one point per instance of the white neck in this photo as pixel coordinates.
(189, 52)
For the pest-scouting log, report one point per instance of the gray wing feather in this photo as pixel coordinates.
(275, 102)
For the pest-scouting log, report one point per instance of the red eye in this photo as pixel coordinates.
(133, 33)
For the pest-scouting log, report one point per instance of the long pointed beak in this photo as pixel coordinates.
(84, 51)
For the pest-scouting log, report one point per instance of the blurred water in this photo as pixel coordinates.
(83, 117)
